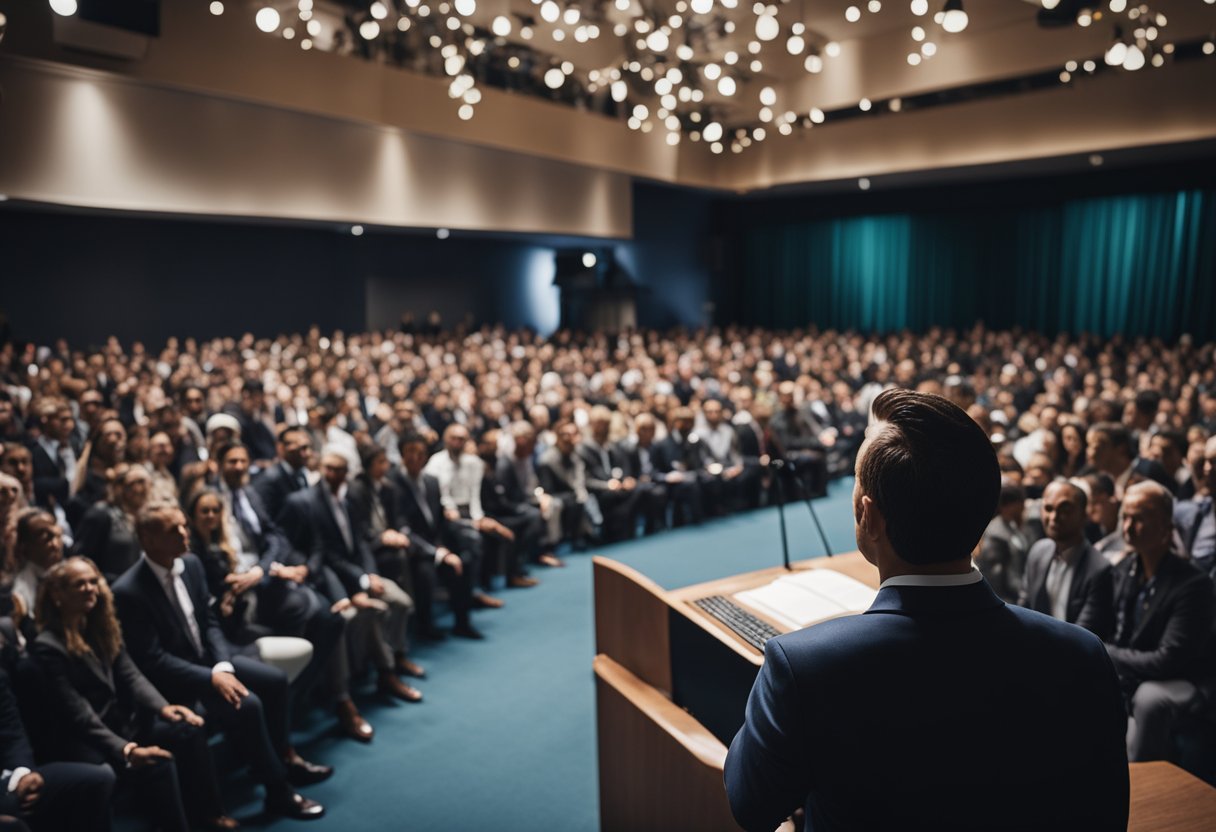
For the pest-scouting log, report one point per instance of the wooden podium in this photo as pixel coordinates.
(660, 767)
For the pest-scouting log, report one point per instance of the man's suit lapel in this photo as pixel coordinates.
(1163, 588)
(160, 600)
(321, 506)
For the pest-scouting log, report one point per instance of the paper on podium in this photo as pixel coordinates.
(809, 597)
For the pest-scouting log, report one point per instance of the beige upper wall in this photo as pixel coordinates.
(217, 118)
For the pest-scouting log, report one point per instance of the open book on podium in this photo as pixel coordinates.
(801, 599)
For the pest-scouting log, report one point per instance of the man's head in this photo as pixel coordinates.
(644, 426)
(404, 412)
(1207, 474)
(55, 419)
(91, 405)
(1011, 503)
(374, 460)
(413, 453)
(233, 460)
(712, 410)
(1108, 448)
(599, 423)
(455, 438)
(1144, 409)
(567, 438)
(487, 446)
(785, 395)
(160, 449)
(1103, 507)
(110, 441)
(18, 463)
(295, 447)
(927, 481)
(525, 438)
(253, 396)
(333, 469)
(161, 527)
(681, 420)
(1169, 448)
(1063, 512)
(1148, 513)
(194, 402)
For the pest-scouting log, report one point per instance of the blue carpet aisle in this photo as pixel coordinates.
(506, 737)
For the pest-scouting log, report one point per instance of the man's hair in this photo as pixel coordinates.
(932, 473)
(1079, 490)
(222, 452)
(1101, 484)
(1117, 435)
(1158, 494)
(1011, 494)
(288, 431)
(151, 517)
(411, 439)
(1148, 402)
(1176, 438)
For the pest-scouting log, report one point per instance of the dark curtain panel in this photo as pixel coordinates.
(1140, 265)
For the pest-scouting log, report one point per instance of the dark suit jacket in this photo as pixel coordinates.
(108, 538)
(272, 542)
(15, 750)
(49, 482)
(1174, 636)
(312, 529)
(434, 531)
(274, 485)
(597, 474)
(1091, 602)
(512, 490)
(1002, 559)
(98, 703)
(157, 636)
(1188, 516)
(671, 454)
(254, 433)
(939, 708)
(558, 479)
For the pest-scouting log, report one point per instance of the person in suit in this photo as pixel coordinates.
(801, 440)
(1066, 577)
(109, 713)
(1002, 555)
(1110, 450)
(437, 550)
(260, 567)
(53, 454)
(175, 640)
(634, 455)
(563, 474)
(724, 458)
(521, 519)
(51, 797)
(106, 533)
(680, 459)
(257, 423)
(318, 522)
(277, 482)
(515, 473)
(1195, 519)
(861, 719)
(616, 494)
(1165, 610)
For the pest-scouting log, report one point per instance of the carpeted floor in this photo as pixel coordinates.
(506, 737)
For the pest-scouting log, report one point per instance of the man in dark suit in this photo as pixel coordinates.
(522, 519)
(680, 459)
(53, 454)
(1066, 577)
(288, 585)
(635, 457)
(437, 549)
(277, 482)
(1003, 548)
(563, 474)
(257, 431)
(174, 637)
(616, 493)
(1165, 611)
(862, 719)
(50, 797)
(318, 521)
(515, 474)
(802, 441)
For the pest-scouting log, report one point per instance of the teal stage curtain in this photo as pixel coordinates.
(1139, 265)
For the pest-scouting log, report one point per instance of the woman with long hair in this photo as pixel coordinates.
(108, 712)
(1070, 454)
(106, 533)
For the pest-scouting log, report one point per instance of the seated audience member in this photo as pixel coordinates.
(801, 441)
(279, 481)
(563, 474)
(522, 520)
(1162, 645)
(257, 422)
(109, 713)
(287, 589)
(1195, 519)
(175, 640)
(516, 474)
(54, 457)
(859, 719)
(104, 451)
(161, 457)
(37, 546)
(1109, 450)
(459, 475)
(616, 494)
(1072, 448)
(437, 551)
(54, 796)
(1066, 577)
(680, 460)
(634, 455)
(318, 522)
(106, 532)
(11, 427)
(1103, 528)
(1002, 556)
(1169, 448)
(724, 459)
(17, 463)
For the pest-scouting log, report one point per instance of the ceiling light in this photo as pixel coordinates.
(726, 86)
(571, 16)
(67, 8)
(589, 260)
(1135, 58)
(711, 72)
(768, 96)
(955, 19)
(554, 78)
(712, 132)
(549, 12)
(657, 41)
(1118, 6)
(356, 230)
(501, 26)
(368, 29)
(813, 64)
(217, 8)
(1050, 4)
(619, 91)
(378, 10)
(767, 27)
(795, 44)
(863, 183)
(852, 14)
(442, 233)
(832, 48)
(702, 6)
(874, 6)
(920, 8)
(267, 19)
(1117, 51)
(817, 115)
(465, 112)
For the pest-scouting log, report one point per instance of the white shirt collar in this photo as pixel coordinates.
(162, 574)
(972, 577)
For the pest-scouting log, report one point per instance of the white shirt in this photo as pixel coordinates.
(972, 577)
(183, 600)
(1059, 580)
(459, 482)
(26, 583)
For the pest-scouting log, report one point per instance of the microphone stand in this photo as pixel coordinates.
(782, 466)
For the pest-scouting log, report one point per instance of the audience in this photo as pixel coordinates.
(333, 485)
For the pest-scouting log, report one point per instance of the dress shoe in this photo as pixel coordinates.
(353, 724)
(431, 634)
(408, 668)
(550, 560)
(467, 631)
(521, 582)
(486, 602)
(301, 772)
(390, 685)
(291, 804)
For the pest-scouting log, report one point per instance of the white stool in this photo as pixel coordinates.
(288, 653)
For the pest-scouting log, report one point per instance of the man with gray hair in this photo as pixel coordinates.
(1162, 645)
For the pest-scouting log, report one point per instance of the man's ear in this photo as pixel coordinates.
(873, 524)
